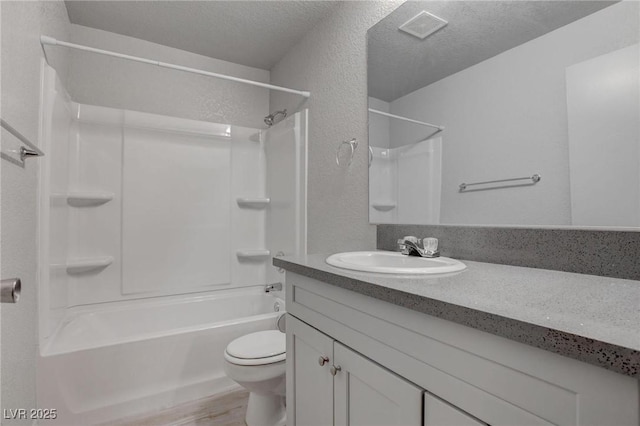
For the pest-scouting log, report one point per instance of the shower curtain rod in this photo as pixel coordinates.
(410, 120)
(53, 42)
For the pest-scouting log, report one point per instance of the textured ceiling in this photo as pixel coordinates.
(399, 63)
(253, 33)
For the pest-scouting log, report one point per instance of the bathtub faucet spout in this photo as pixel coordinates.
(273, 287)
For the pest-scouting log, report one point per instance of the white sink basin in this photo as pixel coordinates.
(389, 262)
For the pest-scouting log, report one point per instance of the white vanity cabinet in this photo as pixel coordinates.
(400, 367)
(332, 384)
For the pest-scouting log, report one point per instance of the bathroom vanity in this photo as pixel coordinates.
(493, 344)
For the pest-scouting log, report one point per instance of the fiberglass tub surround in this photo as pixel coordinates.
(156, 235)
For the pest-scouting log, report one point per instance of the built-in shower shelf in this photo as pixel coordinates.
(88, 264)
(384, 207)
(253, 203)
(85, 198)
(252, 254)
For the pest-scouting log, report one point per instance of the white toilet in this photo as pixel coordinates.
(257, 362)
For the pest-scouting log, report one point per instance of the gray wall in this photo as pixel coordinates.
(330, 61)
(22, 24)
(116, 83)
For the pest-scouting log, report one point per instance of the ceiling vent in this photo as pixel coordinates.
(423, 25)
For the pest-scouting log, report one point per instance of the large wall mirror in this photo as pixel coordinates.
(505, 113)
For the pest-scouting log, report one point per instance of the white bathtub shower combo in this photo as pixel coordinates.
(156, 238)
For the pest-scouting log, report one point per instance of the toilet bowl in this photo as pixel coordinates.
(256, 361)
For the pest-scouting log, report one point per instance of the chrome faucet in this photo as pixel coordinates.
(412, 246)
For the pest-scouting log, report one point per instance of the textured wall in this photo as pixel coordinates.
(22, 24)
(330, 61)
(116, 83)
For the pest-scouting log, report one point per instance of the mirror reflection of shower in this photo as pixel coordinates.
(270, 119)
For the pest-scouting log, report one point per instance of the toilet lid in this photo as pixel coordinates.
(263, 344)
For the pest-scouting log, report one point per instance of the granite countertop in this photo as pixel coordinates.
(586, 317)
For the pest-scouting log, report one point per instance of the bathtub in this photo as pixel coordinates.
(127, 358)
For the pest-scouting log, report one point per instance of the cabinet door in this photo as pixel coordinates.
(440, 413)
(309, 383)
(369, 395)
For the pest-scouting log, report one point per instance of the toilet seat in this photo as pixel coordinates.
(260, 348)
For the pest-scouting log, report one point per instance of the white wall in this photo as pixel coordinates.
(507, 117)
(22, 24)
(116, 83)
(604, 139)
(330, 61)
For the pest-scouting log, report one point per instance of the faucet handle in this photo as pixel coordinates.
(402, 246)
(430, 244)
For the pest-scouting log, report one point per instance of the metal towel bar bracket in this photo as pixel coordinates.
(534, 179)
(28, 151)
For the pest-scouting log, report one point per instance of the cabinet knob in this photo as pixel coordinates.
(323, 360)
(334, 369)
